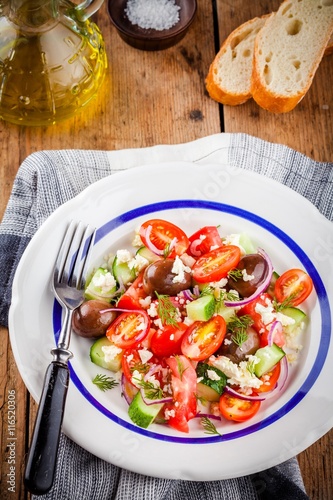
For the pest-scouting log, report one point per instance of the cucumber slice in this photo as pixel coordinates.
(226, 312)
(101, 286)
(298, 316)
(122, 272)
(100, 358)
(246, 243)
(210, 387)
(268, 356)
(142, 414)
(147, 254)
(201, 309)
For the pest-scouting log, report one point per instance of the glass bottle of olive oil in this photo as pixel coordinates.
(52, 59)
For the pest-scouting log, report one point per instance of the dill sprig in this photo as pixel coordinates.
(166, 250)
(140, 367)
(105, 383)
(209, 427)
(181, 368)
(251, 366)
(238, 326)
(287, 302)
(151, 390)
(235, 274)
(166, 310)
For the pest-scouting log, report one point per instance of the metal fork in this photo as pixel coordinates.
(68, 283)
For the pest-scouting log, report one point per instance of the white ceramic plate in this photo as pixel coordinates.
(286, 225)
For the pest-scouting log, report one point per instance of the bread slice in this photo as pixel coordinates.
(229, 77)
(287, 52)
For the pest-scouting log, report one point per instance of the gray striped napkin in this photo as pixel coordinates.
(46, 180)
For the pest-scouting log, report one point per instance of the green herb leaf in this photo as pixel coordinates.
(209, 427)
(279, 306)
(238, 327)
(151, 391)
(104, 383)
(235, 274)
(166, 310)
(180, 367)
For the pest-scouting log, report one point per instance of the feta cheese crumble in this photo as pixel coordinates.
(179, 269)
(110, 352)
(239, 375)
(105, 282)
(145, 355)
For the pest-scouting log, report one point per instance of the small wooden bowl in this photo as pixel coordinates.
(151, 39)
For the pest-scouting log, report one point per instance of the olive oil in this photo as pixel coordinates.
(49, 72)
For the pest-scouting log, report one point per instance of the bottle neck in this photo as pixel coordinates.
(33, 15)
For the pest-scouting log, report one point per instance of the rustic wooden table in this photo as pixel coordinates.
(159, 98)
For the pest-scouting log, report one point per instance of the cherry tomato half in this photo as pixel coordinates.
(237, 409)
(167, 341)
(202, 338)
(202, 241)
(159, 234)
(128, 329)
(295, 285)
(216, 264)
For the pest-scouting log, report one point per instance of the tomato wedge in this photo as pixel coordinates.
(184, 384)
(167, 341)
(128, 329)
(294, 285)
(158, 235)
(216, 264)
(202, 338)
(202, 241)
(133, 295)
(237, 409)
(250, 309)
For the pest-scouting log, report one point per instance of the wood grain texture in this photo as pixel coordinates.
(153, 98)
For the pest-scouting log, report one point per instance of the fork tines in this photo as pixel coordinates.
(73, 258)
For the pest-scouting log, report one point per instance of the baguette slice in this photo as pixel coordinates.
(287, 52)
(229, 77)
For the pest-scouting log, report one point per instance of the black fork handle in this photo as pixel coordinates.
(42, 457)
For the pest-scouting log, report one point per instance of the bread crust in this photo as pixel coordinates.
(217, 90)
(266, 97)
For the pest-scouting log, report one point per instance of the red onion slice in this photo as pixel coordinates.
(150, 244)
(188, 295)
(260, 289)
(207, 415)
(275, 328)
(193, 248)
(128, 389)
(260, 397)
(164, 399)
(154, 248)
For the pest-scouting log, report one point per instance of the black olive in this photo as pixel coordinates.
(158, 277)
(255, 265)
(237, 353)
(89, 322)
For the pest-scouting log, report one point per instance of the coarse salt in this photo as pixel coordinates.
(153, 14)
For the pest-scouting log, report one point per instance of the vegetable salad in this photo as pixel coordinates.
(194, 326)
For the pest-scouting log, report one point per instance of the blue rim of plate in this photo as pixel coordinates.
(326, 321)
